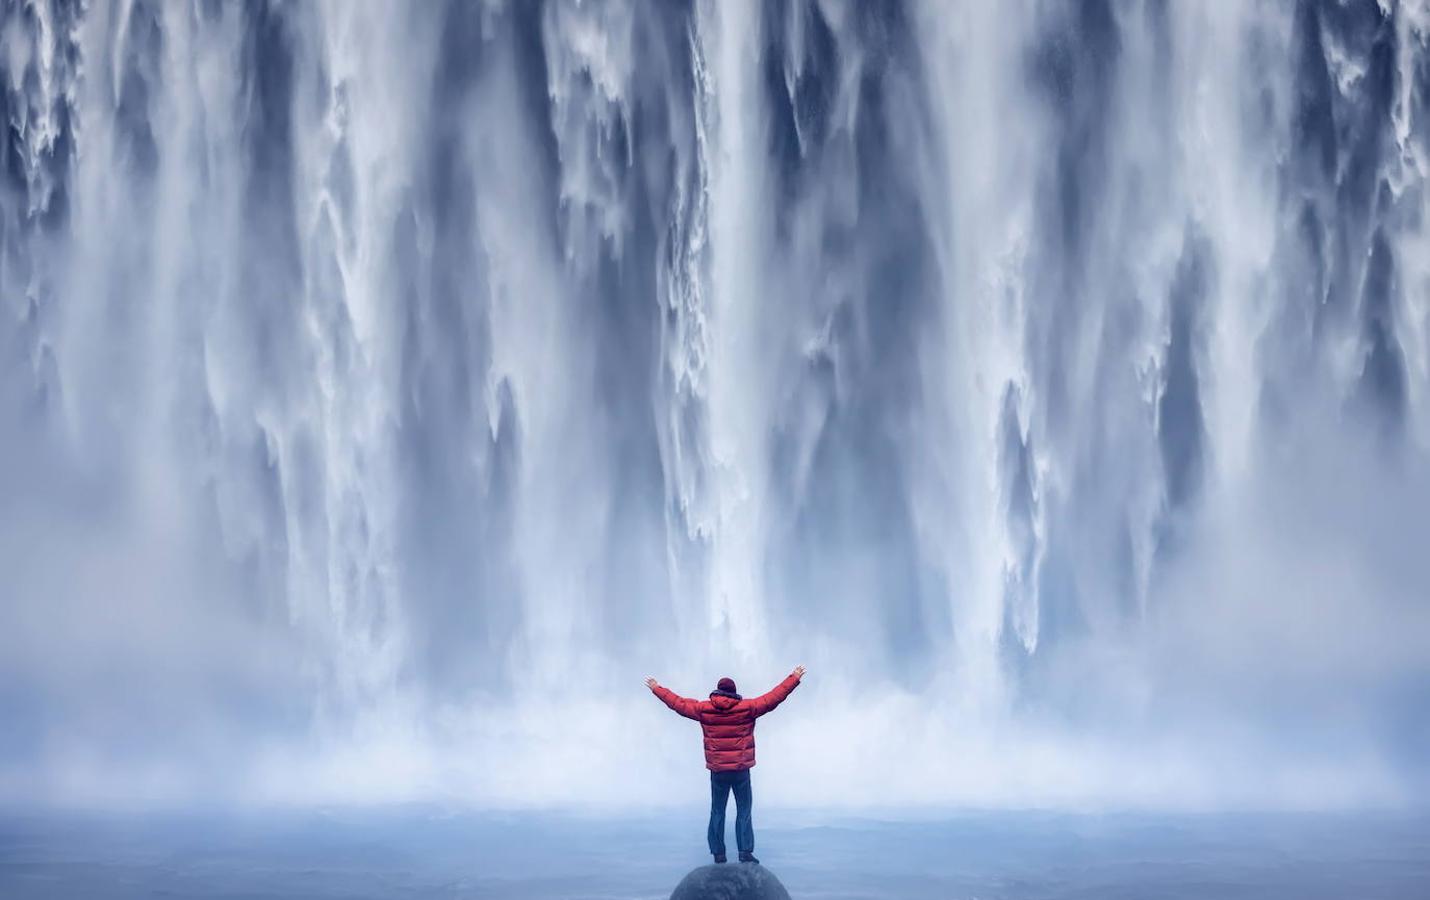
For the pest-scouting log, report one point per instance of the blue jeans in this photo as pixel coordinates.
(721, 784)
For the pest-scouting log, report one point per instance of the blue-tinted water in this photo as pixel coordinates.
(419, 853)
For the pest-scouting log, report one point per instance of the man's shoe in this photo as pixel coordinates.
(719, 857)
(748, 857)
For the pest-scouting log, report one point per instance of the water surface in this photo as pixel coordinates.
(425, 854)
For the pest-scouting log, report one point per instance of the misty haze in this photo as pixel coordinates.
(387, 388)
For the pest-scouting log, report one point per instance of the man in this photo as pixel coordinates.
(727, 721)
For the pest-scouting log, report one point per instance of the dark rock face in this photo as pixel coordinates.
(732, 881)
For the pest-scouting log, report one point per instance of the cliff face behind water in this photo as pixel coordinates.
(372, 373)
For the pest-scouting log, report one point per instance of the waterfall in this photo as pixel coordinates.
(388, 386)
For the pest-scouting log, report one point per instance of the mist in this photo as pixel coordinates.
(386, 388)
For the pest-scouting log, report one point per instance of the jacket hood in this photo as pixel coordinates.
(724, 699)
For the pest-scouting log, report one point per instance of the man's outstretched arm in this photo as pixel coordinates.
(683, 705)
(766, 702)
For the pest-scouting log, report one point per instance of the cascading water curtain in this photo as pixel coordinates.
(386, 387)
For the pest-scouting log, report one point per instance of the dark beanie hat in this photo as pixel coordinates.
(727, 685)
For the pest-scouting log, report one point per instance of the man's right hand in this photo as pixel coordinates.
(651, 683)
(799, 671)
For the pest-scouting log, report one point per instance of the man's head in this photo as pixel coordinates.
(726, 684)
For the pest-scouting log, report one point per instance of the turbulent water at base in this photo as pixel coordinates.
(388, 386)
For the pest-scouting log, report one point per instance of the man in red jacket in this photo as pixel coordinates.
(728, 723)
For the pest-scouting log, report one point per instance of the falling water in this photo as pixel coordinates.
(389, 386)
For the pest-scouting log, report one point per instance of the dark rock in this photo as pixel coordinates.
(732, 881)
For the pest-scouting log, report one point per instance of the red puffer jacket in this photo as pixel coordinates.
(728, 722)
